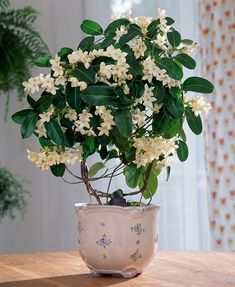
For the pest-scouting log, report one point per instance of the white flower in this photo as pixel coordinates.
(48, 83)
(56, 67)
(47, 157)
(138, 46)
(199, 105)
(107, 120)
(46, 116)
(83, 123)
(156, 108)
(76, 83)
(190, 50)
(61, 80)
(41, 129)
(120, 32)
(149, 149)
(139, 118)
(32, 85)
(161, 41)
(143, 23)
(80, 56)
(71, 115)
(147, 98)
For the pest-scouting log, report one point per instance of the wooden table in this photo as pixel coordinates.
(168, 269)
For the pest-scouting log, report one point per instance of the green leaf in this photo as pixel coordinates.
(84, 74)
(91, 28)
(44, 61)
(44, 142)
(98, 95)
(29, 124)
(89, 147)
(198, 85)
(168, 172)
(172, 69)
(44, 103)
(186, 61)
(31, 102)
(95, 168)
(113, 26)
(107, 42)
(182, 151)
(182, 135)
(73, 96)
(69, 138)
(159, 93)
(135, 67)
(105, 59)
(20, 116)
(132, 175)
(151, 187)
(117, 194)
(123, 121)
(175, 107)
(58, 169)
(55, 132)
(64, 52)
(169, 21)
(86, 43)
(133, 31)
(174, 38)
(187, 41)
(194, 122)
(120, 141)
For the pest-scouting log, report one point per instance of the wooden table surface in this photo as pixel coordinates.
(169, 268)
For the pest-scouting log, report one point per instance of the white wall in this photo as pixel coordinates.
(50, 223)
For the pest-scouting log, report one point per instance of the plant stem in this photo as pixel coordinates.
(110, 180)
(90, 190)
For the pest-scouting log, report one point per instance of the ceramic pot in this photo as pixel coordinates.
(117, 240)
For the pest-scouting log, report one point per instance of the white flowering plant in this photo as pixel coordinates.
(122, 96)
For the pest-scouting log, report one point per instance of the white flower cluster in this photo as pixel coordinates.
(76, 83)
(147, 98)
(47, 157)
(138, 47)
(44, 117)
(107, 118)
(71, 115)
(138, 118)
(142, 22)
(83, 123)
(118, 72)
(163, 27)
(120, 32)
(149, 149)
(80, 56)
(56, 67)
(199, 105)
(34, 84)
(190, 50)
(151, 70)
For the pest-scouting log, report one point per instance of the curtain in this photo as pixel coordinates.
(184, 220)
(217, 31)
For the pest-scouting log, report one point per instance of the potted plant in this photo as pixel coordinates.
(121, 96)
(17, 37)
(12, 195)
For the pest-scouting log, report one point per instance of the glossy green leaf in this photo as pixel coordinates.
(133, 31)
(186, 61)
(182, 151)
(174, 38)
(172, 69)
(44, 103)
(91, 28)
(194, 122)
(89, 147)
(31, 102)
(55, 132)
(29, 124)
(132, 175)
(95, 168)
(64, 52)
(123, 121)
(84, 74)
(168, 172)
(198, 85)
(175, 107)
(116, 24)
(20, 116)
(182, 135)
(98, 95)
(135, 68)
(58, 169)
(73, 96)
(44, 61)
(45, 142)
(86, 43)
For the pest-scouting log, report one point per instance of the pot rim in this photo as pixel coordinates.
(86, 205)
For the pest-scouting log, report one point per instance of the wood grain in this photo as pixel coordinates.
(169, 268)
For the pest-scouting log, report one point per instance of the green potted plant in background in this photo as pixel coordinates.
(20, 46)
(123, 97)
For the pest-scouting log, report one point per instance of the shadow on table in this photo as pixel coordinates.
(83, 280)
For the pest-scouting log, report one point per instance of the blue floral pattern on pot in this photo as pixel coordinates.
(138, 229)
(136, 255)
(104, 241)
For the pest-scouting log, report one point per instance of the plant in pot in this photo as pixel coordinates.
(123, 97)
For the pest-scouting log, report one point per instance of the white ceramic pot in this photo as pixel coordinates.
(117, 240)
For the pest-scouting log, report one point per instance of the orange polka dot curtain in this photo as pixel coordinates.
(217, 30)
